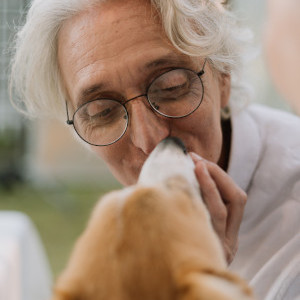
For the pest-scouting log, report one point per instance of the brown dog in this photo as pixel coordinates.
(152, 241)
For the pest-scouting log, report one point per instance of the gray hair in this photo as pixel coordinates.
(195, 27)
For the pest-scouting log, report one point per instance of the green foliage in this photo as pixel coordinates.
(60, 215)
(8, 142)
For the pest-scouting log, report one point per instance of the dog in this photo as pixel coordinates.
(152, 241)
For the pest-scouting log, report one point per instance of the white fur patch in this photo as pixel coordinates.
(167, 161)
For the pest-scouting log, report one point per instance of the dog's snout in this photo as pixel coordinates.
(170, 158)
(173, 140)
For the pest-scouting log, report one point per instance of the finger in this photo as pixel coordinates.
(227, 187)
(211, 198)
(234, 219)
(233, 197)
(195, 157)
(224, 182)
(235, 200)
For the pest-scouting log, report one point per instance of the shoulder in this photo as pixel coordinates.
(271, 120)
(265, 141)
(264, 114)
(279, 133)
(278, 166)
(276, 129)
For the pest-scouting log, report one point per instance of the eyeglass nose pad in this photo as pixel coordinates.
(154, 105)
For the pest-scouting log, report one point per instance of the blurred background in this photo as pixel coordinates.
(47, 174)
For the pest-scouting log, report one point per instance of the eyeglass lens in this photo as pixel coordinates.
(101, 122)
(175, 94)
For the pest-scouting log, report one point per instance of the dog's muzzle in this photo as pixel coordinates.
(169, 158)
(173, 141)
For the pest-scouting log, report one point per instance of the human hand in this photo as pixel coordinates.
(224, 200)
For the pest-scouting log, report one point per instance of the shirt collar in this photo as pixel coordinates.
(245, 148)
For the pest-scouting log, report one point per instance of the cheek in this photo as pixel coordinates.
(107, 154)
(208, 128)
(202, 133)
(208, 118)
(112, 157)
(121, 161)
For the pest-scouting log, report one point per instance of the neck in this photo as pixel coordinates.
(224, 157)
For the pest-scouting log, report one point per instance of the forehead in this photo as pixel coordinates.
(108, 42)
(111, 19)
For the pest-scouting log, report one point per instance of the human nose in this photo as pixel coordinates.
(146, 128)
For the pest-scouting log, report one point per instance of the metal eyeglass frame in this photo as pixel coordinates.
(71, 121)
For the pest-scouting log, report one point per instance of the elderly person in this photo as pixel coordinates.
(127, 74)
(282, 45)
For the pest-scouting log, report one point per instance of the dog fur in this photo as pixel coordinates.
(151, 241)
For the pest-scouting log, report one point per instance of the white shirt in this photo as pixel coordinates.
(24, 269)
(265, 162)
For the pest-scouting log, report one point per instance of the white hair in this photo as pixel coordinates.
(195, 27)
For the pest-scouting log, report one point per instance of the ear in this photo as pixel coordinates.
(225, 87)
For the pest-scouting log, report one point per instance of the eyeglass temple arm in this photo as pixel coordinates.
(69, 122)
(202, 71)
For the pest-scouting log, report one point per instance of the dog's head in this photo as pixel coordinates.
(149, 241)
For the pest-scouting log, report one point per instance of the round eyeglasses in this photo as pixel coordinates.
(174, 94)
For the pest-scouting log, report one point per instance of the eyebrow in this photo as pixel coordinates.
(86, 93)
(165, 60)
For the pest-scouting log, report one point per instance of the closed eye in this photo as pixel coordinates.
(174, 88)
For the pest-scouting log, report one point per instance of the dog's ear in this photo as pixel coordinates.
(212, 285)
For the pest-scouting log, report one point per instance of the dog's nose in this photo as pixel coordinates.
(173, 140)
